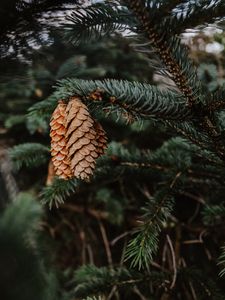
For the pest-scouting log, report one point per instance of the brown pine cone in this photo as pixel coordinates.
(77, 140)
(59, 152)
(81, 138)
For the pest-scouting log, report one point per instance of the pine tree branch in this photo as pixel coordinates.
(130, 100)
(199, 13)
(56, 193)
(90, 280)
(163, 49)
(29, 155)
(173, 157)
(137, 99)
(95, 21)
(142, 248)
(188, 131)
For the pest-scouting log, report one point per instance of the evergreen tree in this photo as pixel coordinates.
(165, 155)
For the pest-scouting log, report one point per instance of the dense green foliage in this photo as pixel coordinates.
(23, 264)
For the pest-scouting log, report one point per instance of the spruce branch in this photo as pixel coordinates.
(56, 193)
(141, 249)
(176, 153)
(204, 135)
(174, 57)
(167, 52)
(174, 157)
(90, 280)
(189, 132)
(137, 99)
(29, 155)
(194, 13)
(95, 21)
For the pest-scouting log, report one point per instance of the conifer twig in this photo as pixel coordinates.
(139, 9)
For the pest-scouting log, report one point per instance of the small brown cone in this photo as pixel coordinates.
(77, 140)
(84, 142)
(59, 152)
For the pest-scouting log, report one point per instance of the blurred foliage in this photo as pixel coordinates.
(25, 273)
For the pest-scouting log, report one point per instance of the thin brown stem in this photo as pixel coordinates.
(173, 262)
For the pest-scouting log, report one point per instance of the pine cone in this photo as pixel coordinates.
(59, 152)
(77, 140)
(81, 138)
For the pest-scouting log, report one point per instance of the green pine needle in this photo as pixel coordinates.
(58, 191)
(29, 155)
(141, 249)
